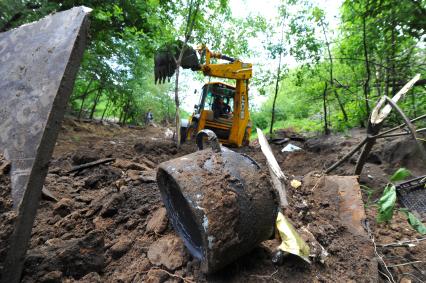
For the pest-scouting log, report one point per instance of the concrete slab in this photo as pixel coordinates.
(38, 66)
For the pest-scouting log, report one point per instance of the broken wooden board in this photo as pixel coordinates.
(277, 176)
(350, 204)
(38, 66)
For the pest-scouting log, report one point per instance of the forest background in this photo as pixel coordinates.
(311, 72)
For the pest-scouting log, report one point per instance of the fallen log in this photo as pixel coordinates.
(90, 164)
(380, 112)
(375, 123)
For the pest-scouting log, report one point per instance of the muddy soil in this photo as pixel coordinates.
(7, 214)
(109, 224)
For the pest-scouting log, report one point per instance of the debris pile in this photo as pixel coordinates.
(109, 223)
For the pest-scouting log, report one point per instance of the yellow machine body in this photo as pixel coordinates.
(233, 129)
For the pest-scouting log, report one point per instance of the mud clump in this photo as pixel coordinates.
(63, 207)
(221, 207)
(169, 252)
(401, 152)
(112, 205)
(84, 156)
(101, 176)
(75, 257)
(121, 247)
(158, 222)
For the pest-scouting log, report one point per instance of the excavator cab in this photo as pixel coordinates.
(215, 110)
(222, 108)
(223, 113)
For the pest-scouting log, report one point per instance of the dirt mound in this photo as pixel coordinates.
(109, 224)
(315, 206)
(401, 152)
(398, 246)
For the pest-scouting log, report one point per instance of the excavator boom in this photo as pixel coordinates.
(166, 63)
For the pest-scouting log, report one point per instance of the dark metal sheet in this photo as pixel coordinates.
(412, 195)
(38, 65)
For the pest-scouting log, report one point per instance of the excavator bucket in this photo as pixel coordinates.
(165, 61)
(218, 202)
(165, 66)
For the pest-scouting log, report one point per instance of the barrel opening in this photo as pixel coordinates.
(180, 213)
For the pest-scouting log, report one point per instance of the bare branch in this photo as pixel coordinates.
(347, 156)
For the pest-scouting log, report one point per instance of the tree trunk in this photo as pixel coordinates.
(367, 64)
(126, 112)
(328, 114)
(375, 122)
(342, 108)
(276, 93)
(188, 30)
(95, 103)
(379, 78)
(168, 114)
(121, 116)
(324, 96)
(177, 115)
(372, 130)
(393, 46)
(85, 94)
(105, 110)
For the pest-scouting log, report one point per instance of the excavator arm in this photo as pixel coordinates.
(234, 70)
(165, 64)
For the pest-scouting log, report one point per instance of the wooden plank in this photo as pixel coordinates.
(350, 205)
(277, 175)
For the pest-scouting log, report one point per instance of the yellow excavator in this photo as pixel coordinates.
(222, 108)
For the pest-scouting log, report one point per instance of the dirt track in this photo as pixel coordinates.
(109, 224)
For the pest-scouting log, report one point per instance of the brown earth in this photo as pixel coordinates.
(7, 214)
(109, 224)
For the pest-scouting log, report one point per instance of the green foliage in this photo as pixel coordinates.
(260, 120)
(115, 79)
(414, 222)
(400, 175)
(386, 34)
(386, 204)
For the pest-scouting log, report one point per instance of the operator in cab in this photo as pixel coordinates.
(220, 108)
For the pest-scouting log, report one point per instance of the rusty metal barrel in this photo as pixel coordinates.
(219, 202)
